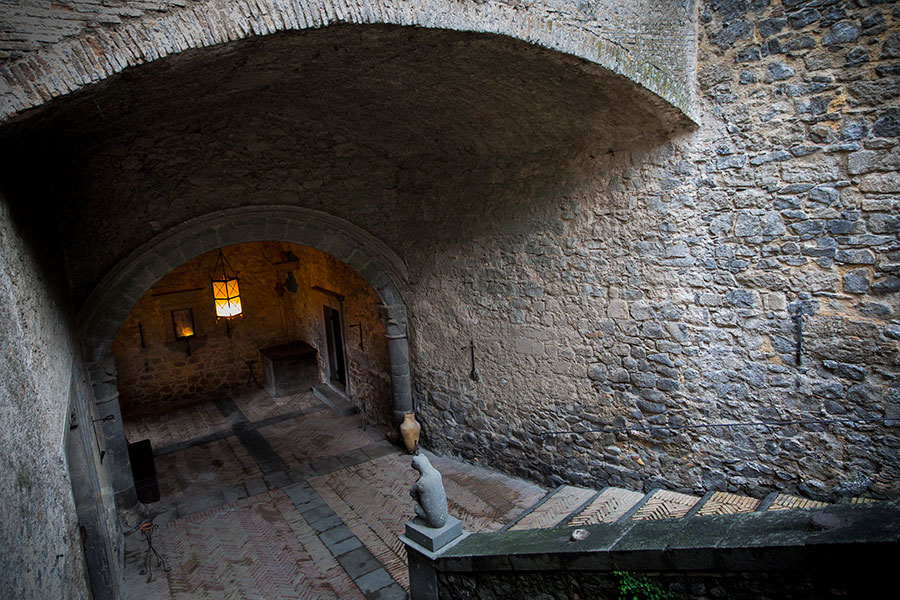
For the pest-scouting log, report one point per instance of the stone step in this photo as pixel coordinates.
(859, 500)
(723, 503)
(661, 504)
(572, 506)
(553, 510)
(606, 507)
(335, 399)
(779, 501)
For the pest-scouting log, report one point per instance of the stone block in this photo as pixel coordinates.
(433, 538)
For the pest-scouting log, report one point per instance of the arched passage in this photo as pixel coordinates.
(111, 301)
(662, 67)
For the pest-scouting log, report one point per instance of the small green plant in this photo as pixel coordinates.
(635, 587)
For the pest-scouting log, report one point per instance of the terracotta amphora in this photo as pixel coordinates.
(409, 430)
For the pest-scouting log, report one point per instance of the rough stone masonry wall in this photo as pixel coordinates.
(665, 295)
(751, 585)
(641, 287)
(42, 555)
(161, 375)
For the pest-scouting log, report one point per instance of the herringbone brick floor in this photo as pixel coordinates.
(372, 499)
(317, 435)
(326, 527)
(204, 468)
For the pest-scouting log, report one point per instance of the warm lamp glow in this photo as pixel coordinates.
(227, 297)
(183, 323)
(226, 293)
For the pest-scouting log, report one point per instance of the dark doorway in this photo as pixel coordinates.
(335, 340)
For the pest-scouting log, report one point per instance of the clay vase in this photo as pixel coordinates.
(409, 430)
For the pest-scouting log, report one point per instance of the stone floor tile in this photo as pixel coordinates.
(301, 473)
(374, 581)
(301, 493)
(335, 535)
(327, 465)
(277, 479)
(344, 546)
(196, 503)
(358, 562)
(317, 513)
(326, 523)
(234, 492)
(255, 486)
(392, 592)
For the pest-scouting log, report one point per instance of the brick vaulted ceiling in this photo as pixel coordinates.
(408, 90)
(353, 109)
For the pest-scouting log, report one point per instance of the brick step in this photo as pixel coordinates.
(661, 504)
(553, 509)
(723, 503)
(779, 501)
(608, 506)
(335, 399)
(572, 506)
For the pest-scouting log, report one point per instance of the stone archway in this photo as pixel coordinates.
(112, 299)
(89, 53)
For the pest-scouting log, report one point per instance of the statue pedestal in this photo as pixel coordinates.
(431, 538)
(423, 546)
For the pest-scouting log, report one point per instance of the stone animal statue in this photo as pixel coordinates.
(428, 492)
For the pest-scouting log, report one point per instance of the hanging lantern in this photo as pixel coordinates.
(226, 293)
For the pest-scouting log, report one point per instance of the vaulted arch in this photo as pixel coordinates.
(107, 307)
(96, 53)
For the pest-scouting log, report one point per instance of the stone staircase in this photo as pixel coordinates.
(571, 506)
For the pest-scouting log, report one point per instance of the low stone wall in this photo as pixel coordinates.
(839, 551)
(666, 585)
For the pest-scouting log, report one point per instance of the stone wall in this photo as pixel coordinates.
(610, 277)
(161, 375)
(838, 551)
(675, 586)
(664, 293)
(42, 555)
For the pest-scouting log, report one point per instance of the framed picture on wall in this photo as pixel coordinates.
(183, 323)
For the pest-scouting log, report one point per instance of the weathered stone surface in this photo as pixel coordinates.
(39, 390)
(856, 281)
(842, 32)
(777, 71)
(613, 277)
